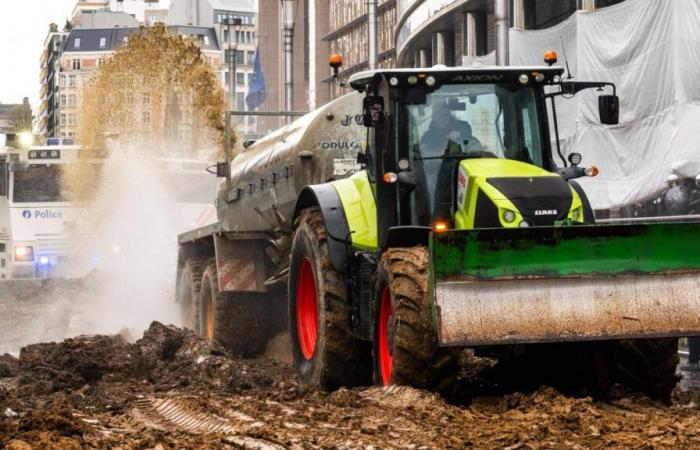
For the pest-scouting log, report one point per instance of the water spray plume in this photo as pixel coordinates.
(153, 104)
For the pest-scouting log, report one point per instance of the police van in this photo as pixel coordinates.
(33, 210)
(36, 218)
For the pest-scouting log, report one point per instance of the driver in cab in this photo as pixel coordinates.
(447, 135)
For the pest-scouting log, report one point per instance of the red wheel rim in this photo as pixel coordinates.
(385, 358)
(307, 310)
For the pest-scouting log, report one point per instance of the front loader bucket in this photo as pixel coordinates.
(504, 286)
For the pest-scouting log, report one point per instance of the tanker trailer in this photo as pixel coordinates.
(459, 231)
(232, 274)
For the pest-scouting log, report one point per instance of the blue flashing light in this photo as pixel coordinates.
(44, 260)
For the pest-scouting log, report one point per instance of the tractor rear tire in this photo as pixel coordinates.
(648, 366)
(241, 322)
(188, 289)
(406, 347)
(325, 353)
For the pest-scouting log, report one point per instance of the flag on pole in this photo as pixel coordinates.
(256, 91)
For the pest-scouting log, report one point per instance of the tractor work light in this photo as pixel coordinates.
(430, 81)
(539, 77)
(394, 81)
(412, 79)
(523, 78)
(24, 254)
(524, 224)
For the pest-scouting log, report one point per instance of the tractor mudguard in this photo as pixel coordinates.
(555, 284)
(328, 201)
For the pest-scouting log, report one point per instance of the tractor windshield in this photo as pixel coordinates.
(460, 121)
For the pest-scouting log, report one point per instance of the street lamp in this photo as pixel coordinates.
(231, 24)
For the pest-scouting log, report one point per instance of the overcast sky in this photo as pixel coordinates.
(23, 28)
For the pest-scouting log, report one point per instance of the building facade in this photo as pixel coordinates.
(47, 114)
(453, 32)
(310, 58)
(213, 14)
(348, 36)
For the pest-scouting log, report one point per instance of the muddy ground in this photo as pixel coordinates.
(171, 389)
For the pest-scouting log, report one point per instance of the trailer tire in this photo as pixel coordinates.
(188, 288)
(241, 322)
(648, 366)
(406, 347)
(325, 353)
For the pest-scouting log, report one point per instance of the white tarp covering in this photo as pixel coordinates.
(651, 50)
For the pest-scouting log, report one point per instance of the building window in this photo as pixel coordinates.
(72, 100)
(240, 101)
(62, 81)
(227, 77)
(62, 121)
(250, 79)
(76, 64)
(71, 119)
(240, 54)
(76, 43)
(240, 79)
(100, 61)
(63, 100)
(103, 42)
(206, 41)
(251, 58)
(72, 81)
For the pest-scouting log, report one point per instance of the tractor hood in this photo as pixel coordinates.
(490, 187)
(514, 180)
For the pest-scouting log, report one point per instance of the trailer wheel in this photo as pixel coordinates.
(648, 366)
(242, 322)
(406, 347)
(325, 354)
(188, 288)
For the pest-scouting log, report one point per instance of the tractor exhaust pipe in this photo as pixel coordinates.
(288, 27)
(502, 30)
(372, 28)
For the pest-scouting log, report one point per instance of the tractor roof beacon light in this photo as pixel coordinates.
(551, 57)
(336, 62)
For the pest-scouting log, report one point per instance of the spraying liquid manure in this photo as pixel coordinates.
(151, 122)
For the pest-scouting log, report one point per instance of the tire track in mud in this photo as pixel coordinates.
(168, 413)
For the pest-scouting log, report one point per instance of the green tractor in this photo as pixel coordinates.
(462, 231)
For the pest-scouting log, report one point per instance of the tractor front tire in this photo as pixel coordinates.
(406, 347)
(241, 322)
(325, 353)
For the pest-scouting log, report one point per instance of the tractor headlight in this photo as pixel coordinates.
(24, 254)
(508, 216)
(524, 224)
(576, 215)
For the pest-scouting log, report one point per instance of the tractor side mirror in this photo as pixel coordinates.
(609, 109)
(373, 111)
(220, 169)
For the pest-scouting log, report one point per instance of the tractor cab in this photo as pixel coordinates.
(458, 148)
